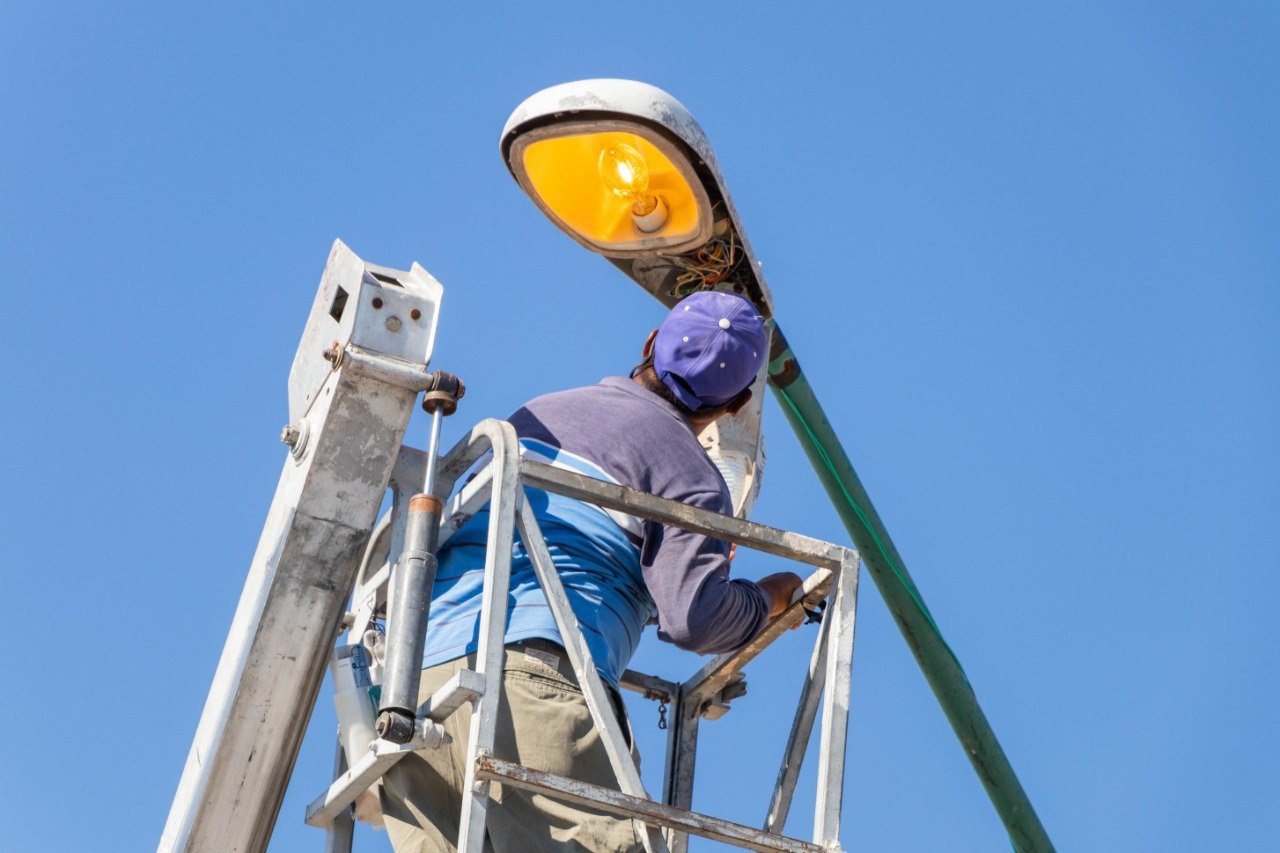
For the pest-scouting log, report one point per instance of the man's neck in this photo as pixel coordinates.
(697, 424)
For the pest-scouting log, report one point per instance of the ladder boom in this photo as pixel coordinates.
(344, 444)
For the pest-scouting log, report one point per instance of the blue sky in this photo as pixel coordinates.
(1025, 252)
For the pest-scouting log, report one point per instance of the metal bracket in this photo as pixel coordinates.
(717, 705)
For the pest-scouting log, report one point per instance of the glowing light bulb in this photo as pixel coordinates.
(624, 171)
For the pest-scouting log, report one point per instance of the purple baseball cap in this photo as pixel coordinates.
(709, 348)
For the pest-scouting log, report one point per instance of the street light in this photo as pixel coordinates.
(557, 145)
(614, 175)
(624, 169)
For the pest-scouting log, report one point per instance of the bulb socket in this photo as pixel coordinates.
(649, 213)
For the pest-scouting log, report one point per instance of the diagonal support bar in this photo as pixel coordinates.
(575, 645)
(463, 687)
(343, 791)
(716, 674)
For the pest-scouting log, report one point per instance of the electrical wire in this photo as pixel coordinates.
(711, 264)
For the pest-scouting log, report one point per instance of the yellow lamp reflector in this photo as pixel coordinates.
(592, 181)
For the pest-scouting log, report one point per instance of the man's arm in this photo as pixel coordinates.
(780, 588)
(700, 608)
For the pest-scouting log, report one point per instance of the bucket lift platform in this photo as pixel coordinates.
(500, 484)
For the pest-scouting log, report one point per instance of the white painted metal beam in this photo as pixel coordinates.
(347, 430)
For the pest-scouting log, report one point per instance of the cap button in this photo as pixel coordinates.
(724, 322)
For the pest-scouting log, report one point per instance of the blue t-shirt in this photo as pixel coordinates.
(620, 573)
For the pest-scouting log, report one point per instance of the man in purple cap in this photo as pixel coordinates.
(620, 573)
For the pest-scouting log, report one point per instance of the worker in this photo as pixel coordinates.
(620, 574)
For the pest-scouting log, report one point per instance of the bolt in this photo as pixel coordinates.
(415, 314)
(393, 324)
(332, 354)
(290, 435)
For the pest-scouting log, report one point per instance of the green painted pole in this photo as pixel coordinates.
(937, 661)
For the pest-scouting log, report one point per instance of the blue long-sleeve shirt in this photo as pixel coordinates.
(620, 572)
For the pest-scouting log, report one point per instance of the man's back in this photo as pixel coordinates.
(620, 572)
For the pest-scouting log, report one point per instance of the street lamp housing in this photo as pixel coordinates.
(608, 173)
(626, 171)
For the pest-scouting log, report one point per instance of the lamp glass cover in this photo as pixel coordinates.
(567, 174)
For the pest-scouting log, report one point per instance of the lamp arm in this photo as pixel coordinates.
(936, 659)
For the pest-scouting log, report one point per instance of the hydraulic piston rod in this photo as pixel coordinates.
(413, 578)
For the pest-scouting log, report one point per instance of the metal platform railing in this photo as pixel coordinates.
(500, 482)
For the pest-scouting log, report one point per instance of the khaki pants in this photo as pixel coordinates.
(543, 723)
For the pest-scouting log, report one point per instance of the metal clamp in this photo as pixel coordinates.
(443, 392)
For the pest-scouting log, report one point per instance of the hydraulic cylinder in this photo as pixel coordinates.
(412, 582)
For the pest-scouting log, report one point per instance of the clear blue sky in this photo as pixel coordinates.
(1027, 254)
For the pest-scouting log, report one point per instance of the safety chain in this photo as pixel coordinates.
(661, 699)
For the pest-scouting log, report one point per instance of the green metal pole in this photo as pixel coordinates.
(937, 661)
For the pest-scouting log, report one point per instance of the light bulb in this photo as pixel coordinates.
(624, 171)
(626, 174)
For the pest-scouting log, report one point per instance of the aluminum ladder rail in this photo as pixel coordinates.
(501, 483)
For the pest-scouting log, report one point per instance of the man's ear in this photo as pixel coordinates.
(736, 404)
(648, 344)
